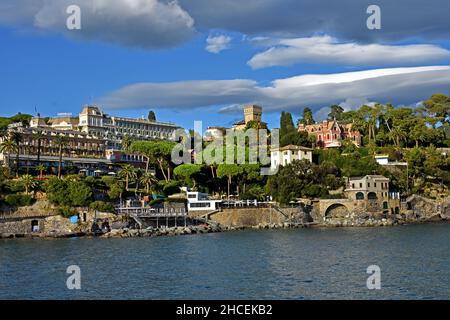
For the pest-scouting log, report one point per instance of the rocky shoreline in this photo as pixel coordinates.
(204, 229)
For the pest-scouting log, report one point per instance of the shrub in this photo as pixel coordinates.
(70, 193)
(67, 212)
(169, 188)
(115, 191)
(15, 186)
(19, 200)
(102, 206)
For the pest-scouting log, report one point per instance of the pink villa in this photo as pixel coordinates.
(329, 134)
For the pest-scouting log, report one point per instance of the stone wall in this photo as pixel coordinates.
(249, 217)
(20, 227)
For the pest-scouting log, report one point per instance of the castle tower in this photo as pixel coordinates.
(252, 113)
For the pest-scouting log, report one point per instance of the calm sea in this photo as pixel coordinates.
(270, 264)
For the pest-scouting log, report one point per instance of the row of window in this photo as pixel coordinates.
(384, 185)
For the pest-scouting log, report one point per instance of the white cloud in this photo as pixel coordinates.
(328, 50)
(134, 23)
(396, 85)
(163, 23)
(218, 43)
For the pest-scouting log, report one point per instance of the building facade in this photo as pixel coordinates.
(94, 121)
(371, 193)
(93, 139)
(330, 134)
(286, 155)
(79, 149)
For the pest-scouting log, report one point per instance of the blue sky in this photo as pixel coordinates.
(136, 55)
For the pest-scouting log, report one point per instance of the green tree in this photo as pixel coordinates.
(28, 182)
(156, 151)
(335, 113)
(128, 173)
(229, 171)
(307, 117)
(39, 136)
(148, 179)
(187, 172)
(151, 116)
(286, 124)
(437, 109)
(41, 168)
(7, 147)
(126, 143)
(60, 142)
(18, 139)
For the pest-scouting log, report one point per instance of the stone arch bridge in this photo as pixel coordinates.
(334, 208)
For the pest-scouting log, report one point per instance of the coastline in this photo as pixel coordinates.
(204, 229)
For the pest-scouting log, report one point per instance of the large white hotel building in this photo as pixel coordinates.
(95, 122)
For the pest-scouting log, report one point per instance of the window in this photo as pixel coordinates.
(368, 184)
(360, 196)
(353, 186)
(360, 185)
(375, 184)
(201, 205)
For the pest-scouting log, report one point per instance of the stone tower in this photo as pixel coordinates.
(252, 113)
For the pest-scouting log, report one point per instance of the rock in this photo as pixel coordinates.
(6, 236)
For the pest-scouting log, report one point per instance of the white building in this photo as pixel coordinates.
(94, 121)
(198, 201)
(285, 155)
(382, 159)
(213, 133)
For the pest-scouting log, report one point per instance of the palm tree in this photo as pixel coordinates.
(60, 142)
(18, 139)
(41, 168)
(28, 182)
(7, 147)
(148, 179)
(128, 172)
(39, 136)
(126, 143)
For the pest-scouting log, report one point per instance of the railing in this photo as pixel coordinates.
(152, 212)
(245, 204)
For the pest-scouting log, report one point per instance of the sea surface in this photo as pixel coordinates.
(414, 263)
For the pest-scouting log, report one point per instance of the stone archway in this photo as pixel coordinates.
(336, 210)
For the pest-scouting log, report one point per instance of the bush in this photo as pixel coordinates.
(169, 188)
(70, 193)
(19, 200)
(115, 191)
(15, 186)
(102, 206)
(67, 212)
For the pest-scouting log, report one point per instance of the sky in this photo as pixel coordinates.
(204, 59)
